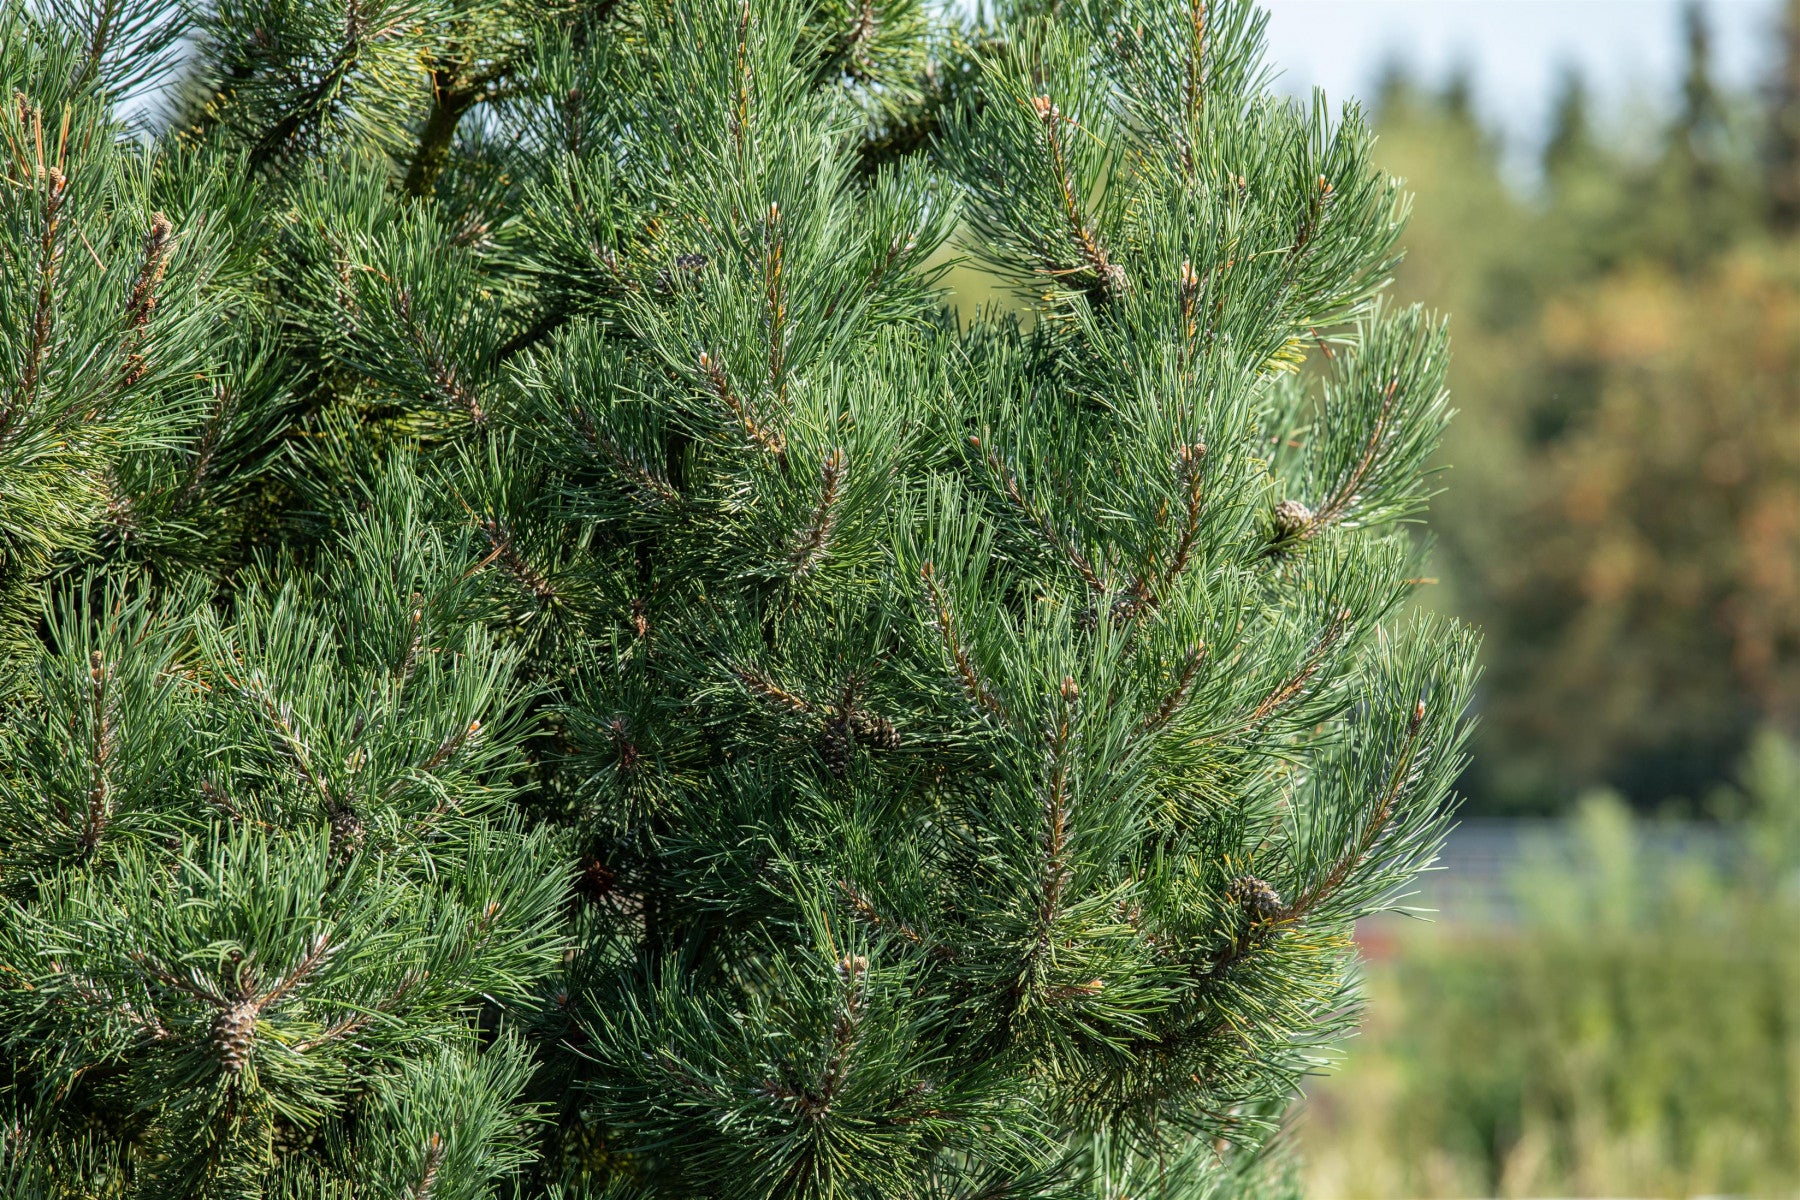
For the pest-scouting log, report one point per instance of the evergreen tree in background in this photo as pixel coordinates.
(1623, 523)
(1781, 147)
(545, 663)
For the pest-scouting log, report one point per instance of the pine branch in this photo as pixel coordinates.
(1172, 703)
(1296, 683)
(451, 99)
(443, 375)
(1148, 586)
(740, 118)
(865, 908)
(315, 955)
(143, 297)
(1053, 876)
(649, 482)
(1110, 277)
(314, 100)
(775, 297)
(211, 433)
(287, 738)
(965, 667)
(761, 685)
(1039, 519)
(1398, 781)
(49, 259)
(813, 542)
(529, 577)
(769, 439)
(103, 740)
(1302, 524)
(434, 1156)
(1194, 83)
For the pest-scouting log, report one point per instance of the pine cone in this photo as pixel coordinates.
(346, 832)
(233, 1033)
(834, 747)
(1255, 897)
(1292, 520)
(596, 880)
(877, 733)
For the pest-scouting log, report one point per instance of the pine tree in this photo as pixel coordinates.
(551, 664)
(1781, 145)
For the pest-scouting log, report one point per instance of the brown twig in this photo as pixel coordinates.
(761, 685)
(1110, 275)
(812, 544)
(1174, 700)
(1347, 493)
(500, 538)
(103, 737)
(1372, 830)
(965, 667)
(50, 251)
(1295, 684)
(865, 908)
(769, 439)
(142, 305)
(1009, 483)
(430, 355)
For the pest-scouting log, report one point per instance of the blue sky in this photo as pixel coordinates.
(1629, 49)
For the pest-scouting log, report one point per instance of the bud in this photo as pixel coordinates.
(1070, 693)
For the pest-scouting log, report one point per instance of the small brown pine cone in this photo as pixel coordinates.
(233, 1033)
(877, 733)
(1292, 519)
(596, 880)
(346, 832)
(834, 747)
(1256, 897)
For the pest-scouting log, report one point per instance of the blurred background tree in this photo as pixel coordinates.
(1611, 1012)
(1625, 516)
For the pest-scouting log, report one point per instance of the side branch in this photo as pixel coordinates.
(443, 375)
(288, 738)
(44, 313)
(1296, 683)
(1172, 703)
(762, 686)
(1149, 586)
(965, 666)
(812, 545)
(500, 538)
(1009, 483)
(1053, 874)
(759, 434)
(652, 484)
(1110, 275)
(143, 297)
(1359, 852)
(103, 736)
(1349, 491)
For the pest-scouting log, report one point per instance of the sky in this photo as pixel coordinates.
(1628, 49)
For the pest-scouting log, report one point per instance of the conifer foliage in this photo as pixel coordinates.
(549, 664)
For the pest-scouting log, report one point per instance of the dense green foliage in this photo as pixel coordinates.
(1622, 521)
(545, 663)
